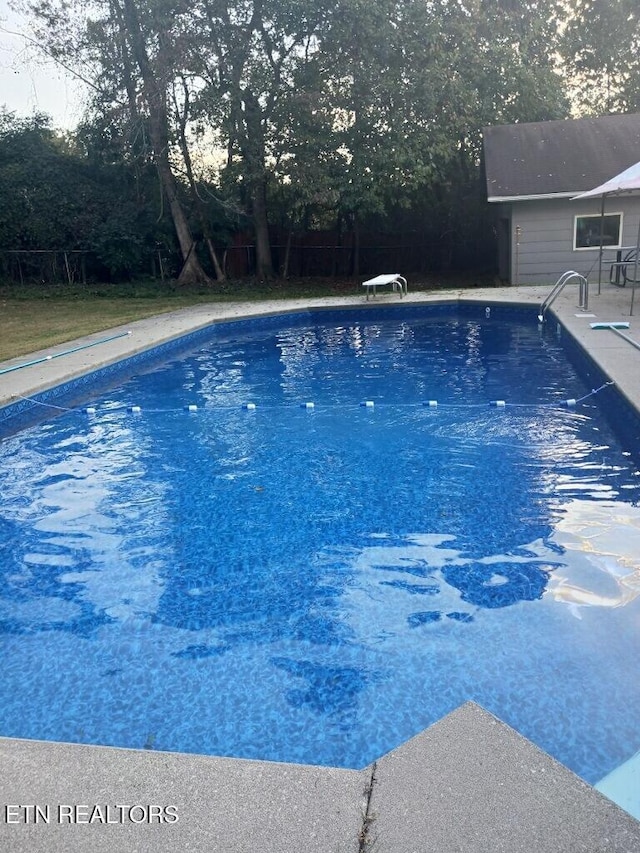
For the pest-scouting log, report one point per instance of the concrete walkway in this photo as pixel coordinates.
(468, 783)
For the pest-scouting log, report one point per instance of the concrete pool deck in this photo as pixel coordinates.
(467, 783)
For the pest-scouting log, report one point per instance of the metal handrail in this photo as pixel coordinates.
(565, 278)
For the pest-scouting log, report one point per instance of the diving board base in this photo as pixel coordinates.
(397, 282)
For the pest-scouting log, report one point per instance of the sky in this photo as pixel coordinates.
(29, 82)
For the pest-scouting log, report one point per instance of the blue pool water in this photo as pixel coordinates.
(318, 585)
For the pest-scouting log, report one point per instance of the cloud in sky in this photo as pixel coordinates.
(29, 82)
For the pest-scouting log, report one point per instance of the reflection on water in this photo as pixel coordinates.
(319, 586)
(80, 525)
(458, 588)
(604, 540)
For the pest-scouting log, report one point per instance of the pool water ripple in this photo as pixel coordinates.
(320, 585)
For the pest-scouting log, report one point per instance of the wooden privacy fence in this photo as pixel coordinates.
(314, 254)
(303, 257)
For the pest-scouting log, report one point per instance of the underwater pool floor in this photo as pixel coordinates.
(26, 390)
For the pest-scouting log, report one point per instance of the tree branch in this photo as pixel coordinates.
(40, 47)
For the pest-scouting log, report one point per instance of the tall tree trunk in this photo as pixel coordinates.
(252, 150)
(191, 271)
(287, 254)
(355, 264)
(200, 208)
(264, 261)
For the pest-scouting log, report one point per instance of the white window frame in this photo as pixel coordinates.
(596, 217)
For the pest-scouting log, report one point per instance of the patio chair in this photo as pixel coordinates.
(624, 270)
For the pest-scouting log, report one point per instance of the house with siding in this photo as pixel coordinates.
(534, 170)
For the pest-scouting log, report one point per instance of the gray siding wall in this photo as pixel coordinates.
(545, 250)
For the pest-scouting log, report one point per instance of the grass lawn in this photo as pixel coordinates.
(27, 326)
(34, 318)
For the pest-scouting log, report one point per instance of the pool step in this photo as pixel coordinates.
(622, 786)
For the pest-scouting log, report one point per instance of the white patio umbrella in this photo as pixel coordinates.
(626, 182)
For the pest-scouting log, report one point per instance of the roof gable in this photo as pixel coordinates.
(564, 157)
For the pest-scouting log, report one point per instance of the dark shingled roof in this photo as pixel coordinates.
(568, 156)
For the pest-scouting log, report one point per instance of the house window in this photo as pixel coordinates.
(586, 232)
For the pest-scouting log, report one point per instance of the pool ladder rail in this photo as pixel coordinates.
(565, 278)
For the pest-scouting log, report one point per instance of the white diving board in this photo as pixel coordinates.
(397, 282)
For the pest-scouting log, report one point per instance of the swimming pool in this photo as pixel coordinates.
(317, 584)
